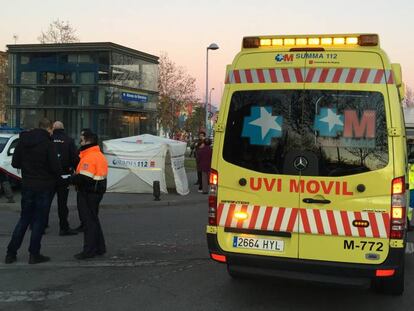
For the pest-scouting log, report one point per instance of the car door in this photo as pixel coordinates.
(255, 176)
(345, 202)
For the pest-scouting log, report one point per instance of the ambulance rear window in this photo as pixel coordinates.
(339, 132)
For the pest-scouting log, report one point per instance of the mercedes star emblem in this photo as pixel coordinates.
(300, 163)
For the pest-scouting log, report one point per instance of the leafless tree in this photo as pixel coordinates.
(59, 32)
(409, 97)
(176, 89)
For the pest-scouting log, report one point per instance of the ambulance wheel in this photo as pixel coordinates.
(391, 286)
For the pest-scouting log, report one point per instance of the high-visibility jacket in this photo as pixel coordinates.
(411, 175)
(92, 170)
(411, 180)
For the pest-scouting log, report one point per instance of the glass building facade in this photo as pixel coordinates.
(109, 88)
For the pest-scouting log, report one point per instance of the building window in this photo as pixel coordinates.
(87, 78)
(28, 77)
(85, 58)
(24, 59)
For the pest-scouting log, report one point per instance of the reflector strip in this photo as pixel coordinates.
(311, 75)
(279, 219)
(390, 272)
(253, 219)
(217, 257)
(310, 221)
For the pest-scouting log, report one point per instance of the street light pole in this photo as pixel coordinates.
(209, 108)
(212, 46)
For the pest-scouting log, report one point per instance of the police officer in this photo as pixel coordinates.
(67, 153)
(90, 181)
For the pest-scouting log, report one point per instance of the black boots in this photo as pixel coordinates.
(34, 259)
(10, 258)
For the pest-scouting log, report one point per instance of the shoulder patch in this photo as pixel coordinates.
(85, 166)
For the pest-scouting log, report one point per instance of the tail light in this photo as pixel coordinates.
(212, 199)
(217, 257)
(398, 208)
(384, 273)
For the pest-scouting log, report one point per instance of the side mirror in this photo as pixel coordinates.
(11, 151)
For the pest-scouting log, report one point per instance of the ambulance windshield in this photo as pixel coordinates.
(338, 132)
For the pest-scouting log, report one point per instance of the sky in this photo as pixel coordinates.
(184, 28)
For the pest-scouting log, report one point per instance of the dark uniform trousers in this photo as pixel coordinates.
(62, 193)
(88, 203)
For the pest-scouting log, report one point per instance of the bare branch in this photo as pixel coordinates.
(59, 32)
(176, 90)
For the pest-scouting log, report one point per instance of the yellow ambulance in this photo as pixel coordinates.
(309, 169)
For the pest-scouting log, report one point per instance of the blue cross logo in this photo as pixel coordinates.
(261, 126)
(328, 123)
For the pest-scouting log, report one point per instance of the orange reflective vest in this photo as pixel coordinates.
(92, 164)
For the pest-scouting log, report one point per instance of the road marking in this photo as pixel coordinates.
(19, 296)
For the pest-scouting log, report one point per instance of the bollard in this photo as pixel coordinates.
(156, 190)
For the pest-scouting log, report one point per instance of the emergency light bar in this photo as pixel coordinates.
(311, 41)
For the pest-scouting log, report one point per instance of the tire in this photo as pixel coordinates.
(391, 286)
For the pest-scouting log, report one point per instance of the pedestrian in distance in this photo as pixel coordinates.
(90, 182)
(192, 149)
(204, 153)
(201, 137)
(68, 157)
(36, 157)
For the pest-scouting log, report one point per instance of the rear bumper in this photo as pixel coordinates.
(307, 270)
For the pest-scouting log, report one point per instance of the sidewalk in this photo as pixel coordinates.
(127, 200)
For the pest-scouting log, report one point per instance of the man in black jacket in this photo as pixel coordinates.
(36, 156)
(68, 156)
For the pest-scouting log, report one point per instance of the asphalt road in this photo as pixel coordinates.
(157, 260)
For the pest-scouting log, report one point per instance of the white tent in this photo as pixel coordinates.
(136, 162)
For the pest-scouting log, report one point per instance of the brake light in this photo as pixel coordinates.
(398, 208)
(212, 199)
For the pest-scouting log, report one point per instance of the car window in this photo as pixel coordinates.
(12, 145)
(341, 132)
(347, 130)
(3, 142)
(262, 127)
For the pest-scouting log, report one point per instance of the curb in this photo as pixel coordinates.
(13, 207)
(150, 204)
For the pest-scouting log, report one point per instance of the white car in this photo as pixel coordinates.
(8, 142)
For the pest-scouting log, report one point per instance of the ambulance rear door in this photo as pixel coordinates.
(262, 127)
(345, 198)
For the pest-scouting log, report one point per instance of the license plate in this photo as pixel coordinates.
(262, 244)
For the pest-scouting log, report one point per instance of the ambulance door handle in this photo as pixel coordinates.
(316, 201)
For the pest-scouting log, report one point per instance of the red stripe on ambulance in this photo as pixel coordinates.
(309, 221)
(254, 216)
(312, 75)
(279, 219)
